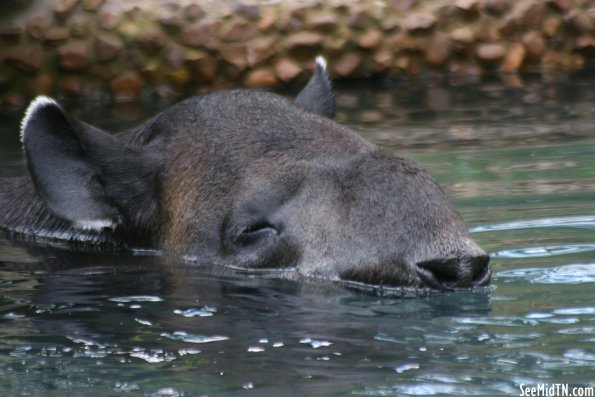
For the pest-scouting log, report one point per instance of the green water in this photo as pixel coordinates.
(518, 163)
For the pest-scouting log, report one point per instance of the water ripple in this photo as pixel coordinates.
(540, 252)
(584, 221)
(567, 274)
(191, 338)
(136, 298)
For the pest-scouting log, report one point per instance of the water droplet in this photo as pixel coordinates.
(12, 315)
(255, 349)
(406, 367)
(183, 352)
(315, 343)
(205, 311)
(166, 392)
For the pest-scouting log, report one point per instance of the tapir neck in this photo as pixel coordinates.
(25, 216)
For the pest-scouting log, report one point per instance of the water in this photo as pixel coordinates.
(517, 161)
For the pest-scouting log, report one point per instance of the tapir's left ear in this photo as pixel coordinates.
(84, 175)
(317, 96)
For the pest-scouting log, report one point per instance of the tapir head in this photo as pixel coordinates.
(251, 180)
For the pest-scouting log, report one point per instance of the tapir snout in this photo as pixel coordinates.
(244, 179)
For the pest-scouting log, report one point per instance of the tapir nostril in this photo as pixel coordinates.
(455, 273)
(439, 273)
(481, 271)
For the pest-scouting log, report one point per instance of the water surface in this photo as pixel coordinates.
(516, 160)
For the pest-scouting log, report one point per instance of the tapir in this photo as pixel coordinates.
(246, 179)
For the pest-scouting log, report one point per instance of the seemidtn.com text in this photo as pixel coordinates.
(556, 390)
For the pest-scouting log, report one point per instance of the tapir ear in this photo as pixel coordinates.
(317, 96)
(84, 175)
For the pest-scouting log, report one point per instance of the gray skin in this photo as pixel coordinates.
(245, 179)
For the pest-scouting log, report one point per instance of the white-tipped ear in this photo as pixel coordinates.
(317, 96)
(321, 62)
(38, 103)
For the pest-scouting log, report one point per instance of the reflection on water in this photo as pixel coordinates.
(518, 162)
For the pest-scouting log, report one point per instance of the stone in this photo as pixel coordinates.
(192, 12)
(534, 44)
(260, 78)
(179, 78)
(108, 21)
(298, 9)
(326, 22)
(303, 40)
(13, 100)
(129, 30)
(585, 42)
(44, 84)
(202, 66)
(267, 22)
(497, 7)
(382, 60)
(151, 41)
(470, 6)
(250, 11)
(26, 58)
(80, 27)
(126, 86)
(533, 16)
(438, 50)
(236, 55)
(579, 21)
(419, 22)
(56, 34)
(371, 39)
(551, 26)
(404, 5)
(64, 8)
(486, 29)
(37, 26)
(391, 23)
(172, 23)
(347, 64)
(490, 53)
(174, 57)
(199, 35)
(514, 58)
(260, 49)
(107, 46)
(562, 5)
(73, 56)
(463, 35)
(287, 70)
(11, 31)
(359, 18)
(238, 29)
(92, 5)
(152, 72)
(70, 86)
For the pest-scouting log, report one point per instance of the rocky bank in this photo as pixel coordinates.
(126, 49)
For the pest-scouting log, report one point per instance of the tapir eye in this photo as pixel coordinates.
(255, 232)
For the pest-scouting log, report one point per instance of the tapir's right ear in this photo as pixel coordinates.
(317, 96)
(84, 175)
